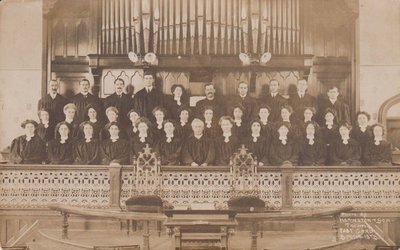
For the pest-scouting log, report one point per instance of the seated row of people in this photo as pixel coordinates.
(271, 144)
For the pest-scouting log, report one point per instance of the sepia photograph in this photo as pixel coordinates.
(200, 124)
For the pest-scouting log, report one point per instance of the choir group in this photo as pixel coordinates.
(299, 130)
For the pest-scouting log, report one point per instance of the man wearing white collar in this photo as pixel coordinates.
(211, 101)
(149, 97)
(333, 102)
(83, 99)
(300, 100)
(249, 103)
(119, 100)
(198, 149)
(274, 100)
(53, 102)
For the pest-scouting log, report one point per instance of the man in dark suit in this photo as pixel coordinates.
(83, 99)
(212, 101)
(275, 101)
(54, 103)
(148, 98)
(341, 108)
(300, 100)
(249, 103)
(119, 100)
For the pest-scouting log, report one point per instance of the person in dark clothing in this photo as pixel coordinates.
(296, 133)
(275, 101)
(211, 129)
(143, 137)
(313, 150)
(198, 150)
(70, 118)
(134, 117)
(266, 127)
(308, 115)
(345, 151)
(178, 100)
(329, 130)
(45, 129)
(300, 100)
(226, 143)
(362, 132)
(113, 116)
(121, 101)
(332, 102)
(114, 149)
(240, 127)
(160, 115)
(283, 150)
(28, 148)
(378, 151)
(91, 116)
(183, 126)
(211, 101)
(247, 102)
(257, 143)
(148, 98)
(170, 145)
(54, 103)
(83, 99)
(86, 151)
(60, 149)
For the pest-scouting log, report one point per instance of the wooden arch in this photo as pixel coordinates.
(383, 110)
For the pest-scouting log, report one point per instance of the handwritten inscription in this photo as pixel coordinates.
(358, 225)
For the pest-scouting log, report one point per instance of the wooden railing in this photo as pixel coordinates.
(37, 186)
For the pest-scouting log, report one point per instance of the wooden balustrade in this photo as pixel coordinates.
(37, 186)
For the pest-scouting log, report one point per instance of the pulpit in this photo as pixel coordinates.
(200, 229)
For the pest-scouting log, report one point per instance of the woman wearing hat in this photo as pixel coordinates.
(178, 100)
(87, 149)
(114, 149)
(28, 148)
(60, 149)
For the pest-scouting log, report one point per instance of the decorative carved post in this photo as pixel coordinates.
(65, 225)
(287, 187)
(224, 238)
(254, 233)
(177, 233)
(115, 185)
(146, 235)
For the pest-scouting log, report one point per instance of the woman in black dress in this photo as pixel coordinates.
(159, 114)
(45, 129)
(226, 143)
(345, 151)
(60, 149)
(134, 117)
(143, 138)
(283, 149)
(296, 132)
(28, 148)
(313, 150)
(91, 112)
(257, 143)
(87, 149)
(266, 127)
(240, 128)
(112, 114)
(211, 128)
(114, 149)
(170, 145)
(183, 126)
(178, 100)
(378, 151)
(329, 131)
(362, 132)
(70, 118)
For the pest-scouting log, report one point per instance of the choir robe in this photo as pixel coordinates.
(129, 131)
(313, 155)
(74, 131)
(105, 134)
(329, 136)
(362, 137)
(240, 131)
(173, 107)
(60, 153)
(224, 150)
(213, 131)
(123, 104)
(117, 151)
(184, 131)
(267, 130)
(137, 146)
(275, 103)
(55, 106)
(259, 149)
(46, 134)
(279, 153)
(82, 102)
(27, 152)
(377, 155)
(198, 150)
(145, 102)
(250, 105)
(298, 104)
(341, 108)
(158, 132)
(169, 152)
(217, 104)
(345, 154)
(87, 153)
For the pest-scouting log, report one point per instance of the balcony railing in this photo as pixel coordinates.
(37, 186)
